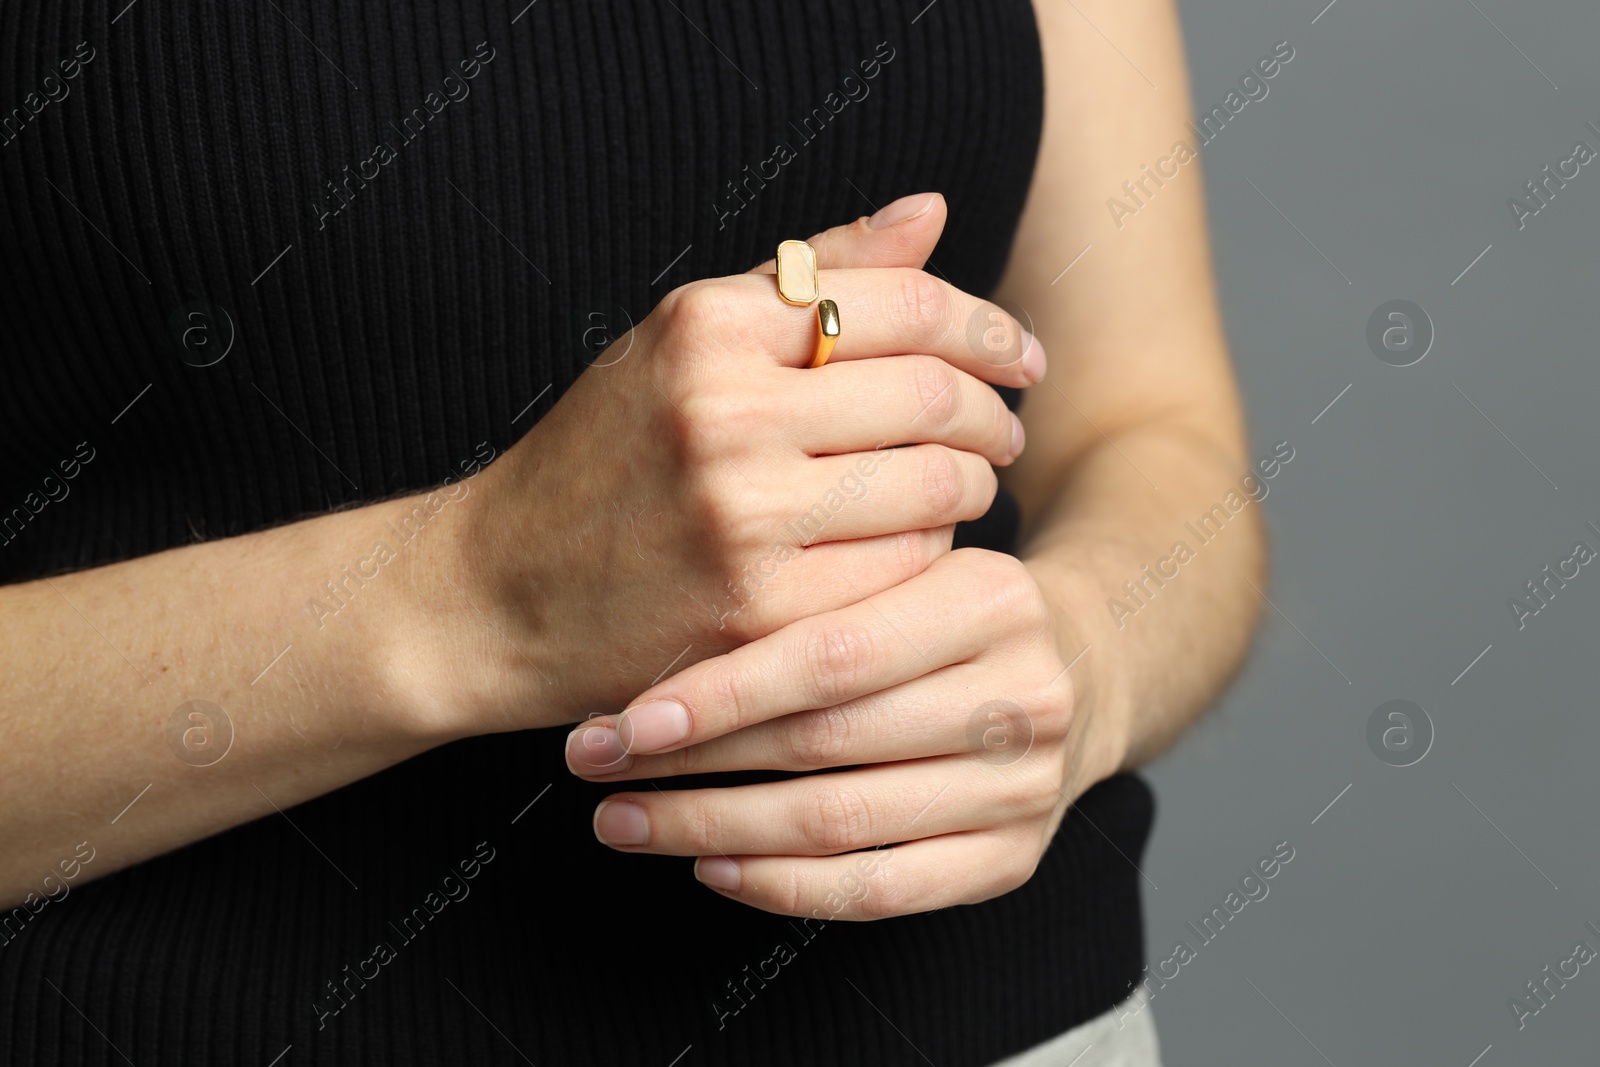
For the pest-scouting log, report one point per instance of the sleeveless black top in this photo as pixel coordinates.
(404, 229)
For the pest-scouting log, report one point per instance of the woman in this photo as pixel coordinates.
(384, 398)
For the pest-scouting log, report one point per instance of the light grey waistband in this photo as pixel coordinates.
(1125, 1036)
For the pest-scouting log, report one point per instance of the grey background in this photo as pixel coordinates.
(1405, 522)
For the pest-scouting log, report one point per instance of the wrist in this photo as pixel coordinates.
(1102, 700)
(335, 593)
(450, 658)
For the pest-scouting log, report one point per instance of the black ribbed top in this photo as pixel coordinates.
(415, 224)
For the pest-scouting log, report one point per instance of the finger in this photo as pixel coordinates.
(910, 400)
(886, 311)
(821, 815)
(913, 488)
(827, 659)
(795, 583)
(900, 234)
(936, 872)
(945, 713)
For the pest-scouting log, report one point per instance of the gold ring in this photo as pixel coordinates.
(798, 286)
(827, 331)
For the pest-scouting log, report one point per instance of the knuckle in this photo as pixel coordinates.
(1040, 789)
(913, 551)
(698, 407)
(675, 414)
(887, 895)
(692, 415)
(989, 484)
(690, 308)
(941, 484)
(921, 301)
(820, 738)
(746, 618)
(790, 892)
(1005, 584)
(680, 761)
(723, 692)
(1020, 867)
(721, 419)
(840, 660)
(769, 601)
(836, 819)
(719, 514)
(935, 392)
(669, 307)
(1056, 708)
(702, 826)
(687, 329)
(1027, 599)
(1000, 431)
(755, 593)
(1053, 718)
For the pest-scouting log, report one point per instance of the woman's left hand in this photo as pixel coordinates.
(948, 700)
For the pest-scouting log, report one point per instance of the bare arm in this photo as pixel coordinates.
(1137, 431)
(97, 665)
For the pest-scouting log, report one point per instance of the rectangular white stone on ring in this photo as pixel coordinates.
(797, 273)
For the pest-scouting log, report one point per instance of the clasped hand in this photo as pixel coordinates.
(939, 703)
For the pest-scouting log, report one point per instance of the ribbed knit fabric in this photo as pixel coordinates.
(547, 173)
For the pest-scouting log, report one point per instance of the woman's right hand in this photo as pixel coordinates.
(703, 487)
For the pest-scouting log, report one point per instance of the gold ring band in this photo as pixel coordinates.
(827, 331)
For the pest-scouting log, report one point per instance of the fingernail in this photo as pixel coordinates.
(718, 872)
(903, 210)
(1033, 362)
(616, 822)
(653, 726)
(596, 750)
(1018, 436)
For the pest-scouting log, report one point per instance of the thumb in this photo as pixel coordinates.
(901, 234)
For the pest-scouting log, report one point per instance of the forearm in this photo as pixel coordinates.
(318, 685)
(1161, 602)
(1140, 393)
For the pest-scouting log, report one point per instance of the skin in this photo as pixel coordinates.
(715, 517)
(950, 695)
(623, 530)
(832, 661)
